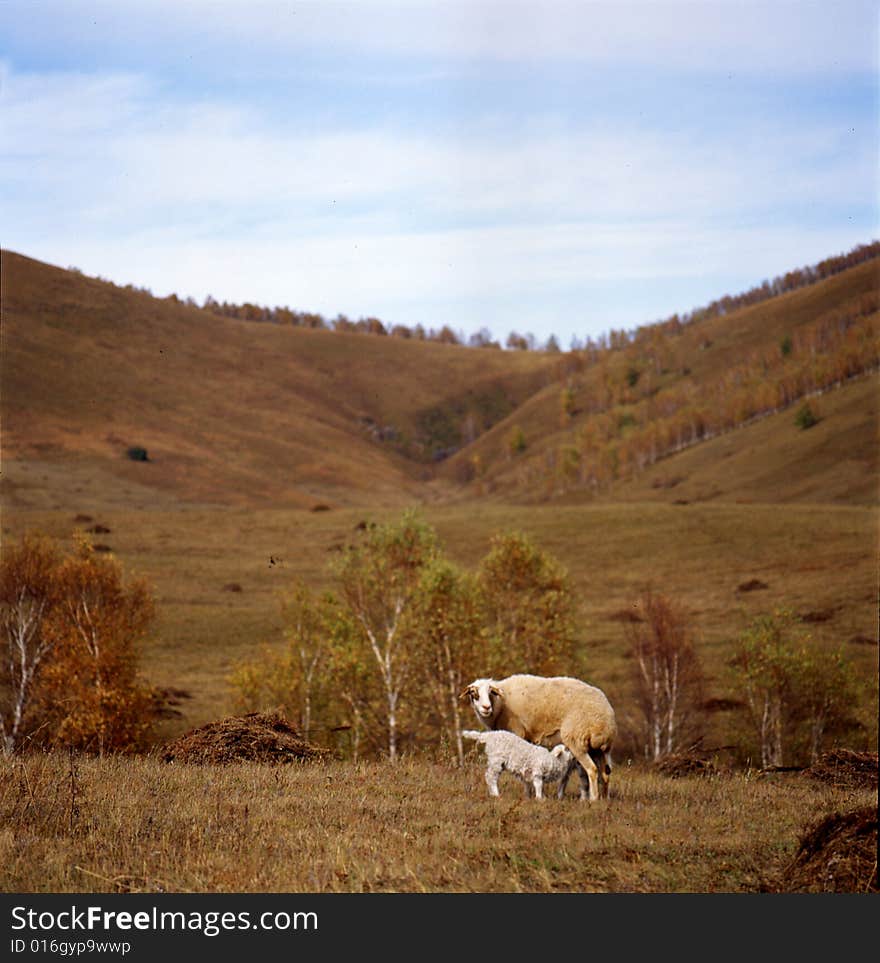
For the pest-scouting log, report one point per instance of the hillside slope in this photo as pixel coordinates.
(773, 461)
(632, 410)
(234, 412)
(228, 411)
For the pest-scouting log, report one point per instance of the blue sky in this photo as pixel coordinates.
(541, 167)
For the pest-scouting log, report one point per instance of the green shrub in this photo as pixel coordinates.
(516, 441)
(805, 417)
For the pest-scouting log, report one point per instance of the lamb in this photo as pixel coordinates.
(548, 710)
(533, 765)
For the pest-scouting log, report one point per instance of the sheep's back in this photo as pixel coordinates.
(544, 705)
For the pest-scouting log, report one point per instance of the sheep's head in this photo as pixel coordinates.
(485, 698)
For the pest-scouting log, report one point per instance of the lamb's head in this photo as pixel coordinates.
(563, 763)
(562, 754)
(485, 698)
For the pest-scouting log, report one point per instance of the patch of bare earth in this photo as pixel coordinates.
(255, 737)
(838, 854)
(846, 767)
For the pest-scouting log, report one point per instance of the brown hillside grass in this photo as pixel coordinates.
(700, 356)
(773, 461)
(228, 411)
(142, 825)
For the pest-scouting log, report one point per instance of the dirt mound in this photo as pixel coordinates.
(753, 585)
(845, 767)
(836, 855)
(255, 737)
(685, 764)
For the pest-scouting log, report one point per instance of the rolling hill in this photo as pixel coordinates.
(724, 387)
(243, 413)
(229, 412)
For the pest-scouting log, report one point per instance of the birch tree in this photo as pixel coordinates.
(28, 596)
(765, 664)
(448, 634)
(305, 627)
(92, 697)
(526, 608)
(826, 692)
(379, 581)
(668, 676)
(291, 677)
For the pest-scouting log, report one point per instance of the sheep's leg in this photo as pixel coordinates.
(538, 783)
(592, 772)
(603, 767)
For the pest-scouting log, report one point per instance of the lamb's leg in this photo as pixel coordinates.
(538, 783)
(584, 781)
(527, 786)
(560, 792)
(492, 774)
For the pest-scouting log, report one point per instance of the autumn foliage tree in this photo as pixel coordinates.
(387, 654)
(447, 634)
(29, 595)
(291, 678)
(526, 608)
(91, 694)
(379, 582)
(667, 674)
(796, 693)
(72, 678)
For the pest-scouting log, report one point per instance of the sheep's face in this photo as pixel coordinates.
(485, 699)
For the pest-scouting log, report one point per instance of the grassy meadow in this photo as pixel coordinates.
(820, 562)
(141, 825)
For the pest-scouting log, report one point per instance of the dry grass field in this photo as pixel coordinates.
(142, 825)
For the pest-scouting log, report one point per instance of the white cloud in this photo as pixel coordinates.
(744, 35)
(116, 150)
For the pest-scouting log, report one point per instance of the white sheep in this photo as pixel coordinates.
(548, 710)
(533, 765)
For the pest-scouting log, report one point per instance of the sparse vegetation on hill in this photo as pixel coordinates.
(231, 412)
(647, 395)
(235, 412)
(790, 281)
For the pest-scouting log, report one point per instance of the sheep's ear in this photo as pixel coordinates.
(467, 693)
(494, 690)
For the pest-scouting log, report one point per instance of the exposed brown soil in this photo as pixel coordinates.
(838, 854)
(685, 764)
(255, 737)
(845, 767)
(753, 585)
